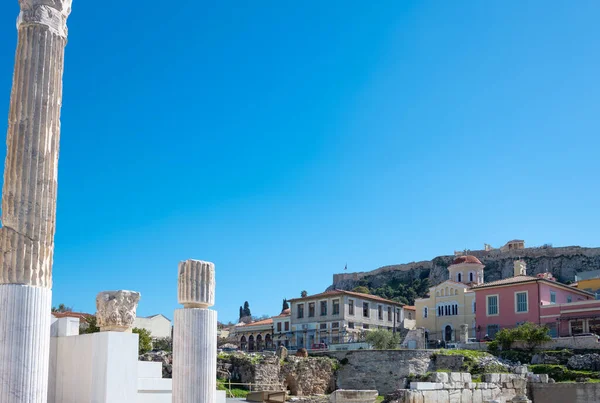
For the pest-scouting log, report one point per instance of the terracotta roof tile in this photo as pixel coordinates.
(466, 259)
(509, 280)
(80, 315)
(260, 323)
(410, 308)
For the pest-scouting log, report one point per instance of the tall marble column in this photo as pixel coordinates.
(29, 200)
(195, 335)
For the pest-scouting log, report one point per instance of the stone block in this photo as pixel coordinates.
(455, 377)
(481, 385)
(426, 385)
(519, 383)
(544, 378)
(453, 385)
(354, 396)
(415, 396)
(470, 385)
(466, 377)
(520, 370)
(476, 396)
(466, 396)
(435, 396)
(492, 378)
(441, 377)
(454, 396)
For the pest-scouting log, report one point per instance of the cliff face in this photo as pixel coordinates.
(563, 263)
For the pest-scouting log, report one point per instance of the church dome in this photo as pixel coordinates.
(466, 259)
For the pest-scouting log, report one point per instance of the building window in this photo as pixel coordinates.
(553, 331)
(569, 299)
(410, 314)
(397, 315)
(459, 277)
(424, 312)
(279, 327)
(311, 309)
(351, 306)
(300, 311)
(576, 327)
(390, 314)
(492, 308)
(471, 277)
(474, 306)
(380, 312)
(335, 325)
(336, 307)
(594, 326)
(439, 311)
(553, 297)
(350, 325)
(365, 326)
(366, 309)
(492, 330)
(287, 326)
(521, 300)
(323, 308)
(322, 326)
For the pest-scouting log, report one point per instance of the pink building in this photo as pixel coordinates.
(511, 301)
(573, 318)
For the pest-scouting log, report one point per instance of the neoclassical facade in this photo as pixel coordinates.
(451, 303)
(264, 334)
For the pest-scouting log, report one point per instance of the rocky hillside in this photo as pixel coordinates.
(562, 262)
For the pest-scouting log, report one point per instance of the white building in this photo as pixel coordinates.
(158, 325)
(341, 316)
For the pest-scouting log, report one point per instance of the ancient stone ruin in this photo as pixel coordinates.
(29, 200)
(195, 335)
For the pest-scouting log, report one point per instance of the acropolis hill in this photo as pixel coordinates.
(562, 262)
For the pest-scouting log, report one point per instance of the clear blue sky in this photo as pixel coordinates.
(282, 140)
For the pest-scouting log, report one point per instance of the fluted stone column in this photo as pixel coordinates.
(29, 200)
(195, 335)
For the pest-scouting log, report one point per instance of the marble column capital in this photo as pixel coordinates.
(52, 14)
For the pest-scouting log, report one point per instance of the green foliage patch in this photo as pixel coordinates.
(561, 373)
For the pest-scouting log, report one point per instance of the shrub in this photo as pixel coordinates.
(145, 344)
(560, 373)
(493, 347)
(383, 339)
(529, 333)
(163, 344)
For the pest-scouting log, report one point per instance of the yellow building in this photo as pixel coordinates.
(589, 281)
(451, 303)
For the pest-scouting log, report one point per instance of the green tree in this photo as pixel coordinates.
(145, 344)
(304, 294)
(530, 334)
(163, 344)
(382, 339)
(362, 289)
(62, 308)
(241, 312)
(89, 326)
(286, 305)
(247, 311)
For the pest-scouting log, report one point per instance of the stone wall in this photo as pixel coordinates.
(574, 343)
(564, 392)
(381, 370)
(562, 262)
(301, 376)
(458, 387)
